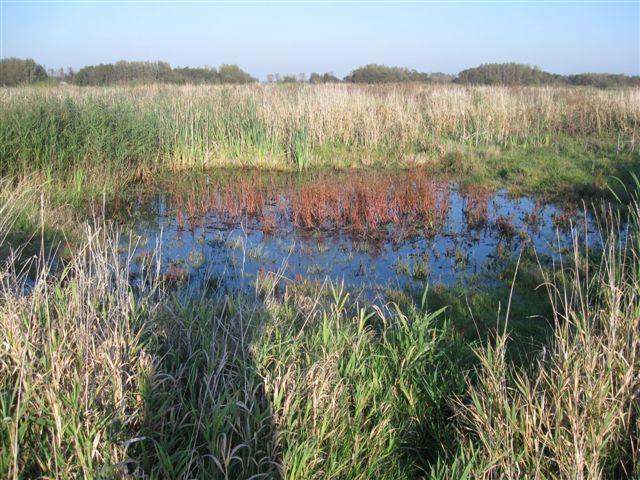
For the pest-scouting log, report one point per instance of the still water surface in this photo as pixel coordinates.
(372, 231)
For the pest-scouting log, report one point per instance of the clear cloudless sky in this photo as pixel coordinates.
(296, 37)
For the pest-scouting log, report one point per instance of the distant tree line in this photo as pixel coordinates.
(14, 71)
(288, 78)
(373, 73)
(324, 78)
(603, 80)
(123, 72)
(149, 72)
(507, 74)
(368, 74)
(518, 74)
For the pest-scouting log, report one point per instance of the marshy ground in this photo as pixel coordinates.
(319, 282)
(372, 230)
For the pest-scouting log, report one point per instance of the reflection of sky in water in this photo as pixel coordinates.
(234, 255)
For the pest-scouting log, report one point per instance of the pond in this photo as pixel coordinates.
(372, 230)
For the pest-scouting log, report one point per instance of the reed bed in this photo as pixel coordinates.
(137, 129)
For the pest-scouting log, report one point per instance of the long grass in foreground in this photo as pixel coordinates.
(575, 413)
(100, 380)
(72, 361)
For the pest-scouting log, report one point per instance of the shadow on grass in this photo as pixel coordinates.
(305, 386)
(206, 414)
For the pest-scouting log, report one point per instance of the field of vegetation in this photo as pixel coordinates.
(537, 138)
(115, 364)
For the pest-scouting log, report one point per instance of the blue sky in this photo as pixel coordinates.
(296, 37)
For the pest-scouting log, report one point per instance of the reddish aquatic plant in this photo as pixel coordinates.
(361, 203)
(175, 274)
(268, 224)
(180, 220)
(476, 207)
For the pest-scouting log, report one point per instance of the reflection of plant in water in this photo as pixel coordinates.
(213, 283)
(179, 220)
(533, 218)
(315, 269)
(234, 243)
(502, 253)
(268, 224)
(234, 262)
(144, 258)
(362, 246)
(563, 220)
(461, 259)
(523, 235)
(476, 207)
(216, 240)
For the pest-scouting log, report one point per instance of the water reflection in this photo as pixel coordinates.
(372, 230)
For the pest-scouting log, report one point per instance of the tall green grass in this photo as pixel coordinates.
(299, 149)
(359, 393)
(65, 135)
